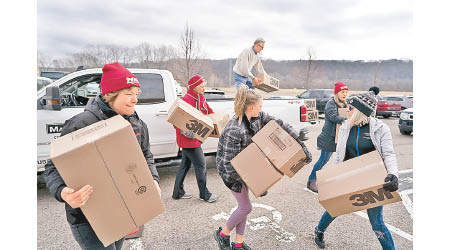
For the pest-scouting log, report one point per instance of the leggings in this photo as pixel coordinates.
(238, 218)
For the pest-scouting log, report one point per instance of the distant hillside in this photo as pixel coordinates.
(389, 75)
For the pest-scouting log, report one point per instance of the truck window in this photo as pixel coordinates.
(152, 88)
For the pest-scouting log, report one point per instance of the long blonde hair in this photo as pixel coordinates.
(244, 97)
(358, 118)
(340, 103)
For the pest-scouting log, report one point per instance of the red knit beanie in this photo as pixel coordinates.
(195, 81)
(116, 77)
(339, 86)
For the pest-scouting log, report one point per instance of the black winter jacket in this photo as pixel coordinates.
(325, 140)
(95, 110)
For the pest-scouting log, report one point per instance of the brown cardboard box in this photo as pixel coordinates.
(354, 185)
(255, 170)
(268, 83)
(107, 156)
(310, 104)
(311, 115)
(342, 112)
(283, 151)
(187, 118)
(220, 121)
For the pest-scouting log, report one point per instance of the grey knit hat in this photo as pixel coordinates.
(364, 102)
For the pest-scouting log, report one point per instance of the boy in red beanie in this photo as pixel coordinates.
(119, 94)
(192, 151)
(325, 141)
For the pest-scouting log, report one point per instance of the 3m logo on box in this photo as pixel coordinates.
(310, 104)
(197, 128)
(370, 197)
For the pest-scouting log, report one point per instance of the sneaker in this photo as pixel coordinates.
(318, 238)
(264, 194)
(311, 185)
(243, 247)
(185, 196)
(222, 242)
(211, 199)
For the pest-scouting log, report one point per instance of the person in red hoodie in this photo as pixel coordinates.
(192, 151)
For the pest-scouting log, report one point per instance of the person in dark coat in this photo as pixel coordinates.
(326, 139)
(235, 137)
(119, 93)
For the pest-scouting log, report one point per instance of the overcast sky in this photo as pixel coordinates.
(335, 29)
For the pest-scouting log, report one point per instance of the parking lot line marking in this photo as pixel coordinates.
(405, 171)
(390, 227)
(407, 201)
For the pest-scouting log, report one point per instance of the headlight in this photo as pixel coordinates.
(404, 116)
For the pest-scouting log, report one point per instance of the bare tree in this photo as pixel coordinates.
(190, 51)
(44, 62)
(311, 66)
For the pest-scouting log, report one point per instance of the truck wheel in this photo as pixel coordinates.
(386, 116)
(403, 132)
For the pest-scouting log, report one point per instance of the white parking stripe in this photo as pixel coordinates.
(405, 171)
(407, 201)
(390, 227)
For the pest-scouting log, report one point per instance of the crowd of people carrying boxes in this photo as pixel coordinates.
(255, 149)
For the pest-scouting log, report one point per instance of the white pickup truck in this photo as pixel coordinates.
(67, 97)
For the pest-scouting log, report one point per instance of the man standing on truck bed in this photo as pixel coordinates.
(248, 58)
(192, 151)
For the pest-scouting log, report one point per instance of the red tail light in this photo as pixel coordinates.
(302, 113)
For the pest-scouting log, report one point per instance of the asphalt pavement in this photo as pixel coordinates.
(284, 219)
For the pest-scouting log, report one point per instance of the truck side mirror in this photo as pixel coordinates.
(52, 100)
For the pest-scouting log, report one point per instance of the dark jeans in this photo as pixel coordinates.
(196, 157)
(324, 158)
(88, 240)
(376, 220)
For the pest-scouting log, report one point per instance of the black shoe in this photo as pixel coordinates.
(312, 185)
(318, 238)
(222, 242)
(243, 247)
(264, 194)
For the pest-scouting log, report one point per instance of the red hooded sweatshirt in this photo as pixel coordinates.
(199, 102)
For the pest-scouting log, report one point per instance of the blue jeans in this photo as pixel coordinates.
(88, 240)
(324, 158)
(376, 220)
(242, 80)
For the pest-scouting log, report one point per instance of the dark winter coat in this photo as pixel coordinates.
(325, 141)
(95, 111)
(236, 138)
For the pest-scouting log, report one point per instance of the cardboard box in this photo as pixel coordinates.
(310, 104)
(220, 121)
(342, 112)
(187, 118)
(268, 83)
(354, 185)
(310, 115)
(107, 156)
(283, 151)
(255, 170)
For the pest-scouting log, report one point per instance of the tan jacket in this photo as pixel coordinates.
(245, 62)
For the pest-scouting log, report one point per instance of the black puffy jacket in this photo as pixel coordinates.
(95, 110)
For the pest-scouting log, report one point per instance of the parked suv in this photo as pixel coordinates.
(388, 108)
(405, 123)
(321, 95)
(405, 101)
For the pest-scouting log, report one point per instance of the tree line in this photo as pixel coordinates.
(188, 59)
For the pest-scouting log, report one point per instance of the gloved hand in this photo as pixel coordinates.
(307, 153)
(188, 134)
(392, 184)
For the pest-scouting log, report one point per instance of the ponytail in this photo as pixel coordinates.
(243, 98)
